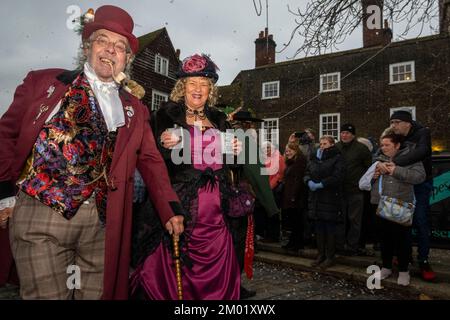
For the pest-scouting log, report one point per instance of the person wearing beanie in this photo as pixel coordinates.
(71, 141)
(418, 138)
(402, 115)
(358, 159)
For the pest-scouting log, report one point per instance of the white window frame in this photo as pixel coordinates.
(338, 128)
(411, 109)
(405, 63)
(266, 133)
(322, 76)
(263, 94)
(159, 68)
(161, 94)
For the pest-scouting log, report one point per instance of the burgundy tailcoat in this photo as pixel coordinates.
(135, 148)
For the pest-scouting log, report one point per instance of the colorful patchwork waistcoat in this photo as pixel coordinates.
(72, 155)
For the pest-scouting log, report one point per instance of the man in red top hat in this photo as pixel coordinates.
(71, 141)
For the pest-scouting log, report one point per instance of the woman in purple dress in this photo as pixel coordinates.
(210, 269)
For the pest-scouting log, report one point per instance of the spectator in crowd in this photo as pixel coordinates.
(293, 200)
(274, 162)
(312, 136)
(368, 225)
(324, 178)
(419, 139)
(396, 182)
(357, 160)
(306, 142)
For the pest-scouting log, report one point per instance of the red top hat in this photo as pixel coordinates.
(113, 19)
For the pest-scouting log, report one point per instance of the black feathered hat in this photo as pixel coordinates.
(198, 66)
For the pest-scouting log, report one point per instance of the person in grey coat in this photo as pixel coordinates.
(398, 182)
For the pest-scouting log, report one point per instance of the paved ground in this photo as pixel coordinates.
(9, 293)
(277, 282)
(354, 269)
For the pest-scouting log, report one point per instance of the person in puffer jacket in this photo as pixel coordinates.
(324, 178)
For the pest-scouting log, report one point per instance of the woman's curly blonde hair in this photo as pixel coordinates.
(179, 91)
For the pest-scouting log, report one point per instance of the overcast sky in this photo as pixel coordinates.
(35, 35)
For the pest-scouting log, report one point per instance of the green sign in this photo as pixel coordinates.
(441, 188)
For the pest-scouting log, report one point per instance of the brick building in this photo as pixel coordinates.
(154, 67)
(362, 86)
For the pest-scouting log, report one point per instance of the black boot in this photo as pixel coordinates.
(330, 251)
(321, 245)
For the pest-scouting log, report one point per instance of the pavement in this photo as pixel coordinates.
(277, 282)
(354, 268)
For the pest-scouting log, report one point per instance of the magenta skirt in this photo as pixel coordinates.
(215, 273)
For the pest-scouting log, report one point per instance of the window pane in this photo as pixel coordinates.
(330, 125)
(164, 66)
(157, 63)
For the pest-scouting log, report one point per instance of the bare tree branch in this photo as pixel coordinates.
(324, 24)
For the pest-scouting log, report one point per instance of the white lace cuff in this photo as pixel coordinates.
(7, 203)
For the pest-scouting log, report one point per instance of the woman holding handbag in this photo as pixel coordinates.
(396, 183)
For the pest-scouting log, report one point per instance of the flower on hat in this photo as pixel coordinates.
(194, 63)
(198, 65)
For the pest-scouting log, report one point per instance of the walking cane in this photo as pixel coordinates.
(176, 257)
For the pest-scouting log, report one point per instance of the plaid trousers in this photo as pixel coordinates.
(57, 258)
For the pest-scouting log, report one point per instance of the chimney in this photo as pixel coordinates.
(177, 53)
(444, 16)
(264, 49)
(374, 34)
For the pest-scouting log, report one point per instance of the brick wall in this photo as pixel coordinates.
(366, 96)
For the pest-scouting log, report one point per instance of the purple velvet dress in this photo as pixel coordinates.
(215, 273)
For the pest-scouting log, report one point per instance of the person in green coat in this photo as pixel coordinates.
(251, 172)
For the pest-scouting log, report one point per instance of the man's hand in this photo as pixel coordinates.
(5, 214)
(390, 168)
(175, 225)
(382, 167)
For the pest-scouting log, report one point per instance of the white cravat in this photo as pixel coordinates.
(107, 94)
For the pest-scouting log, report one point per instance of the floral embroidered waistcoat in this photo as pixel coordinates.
(72, 155)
